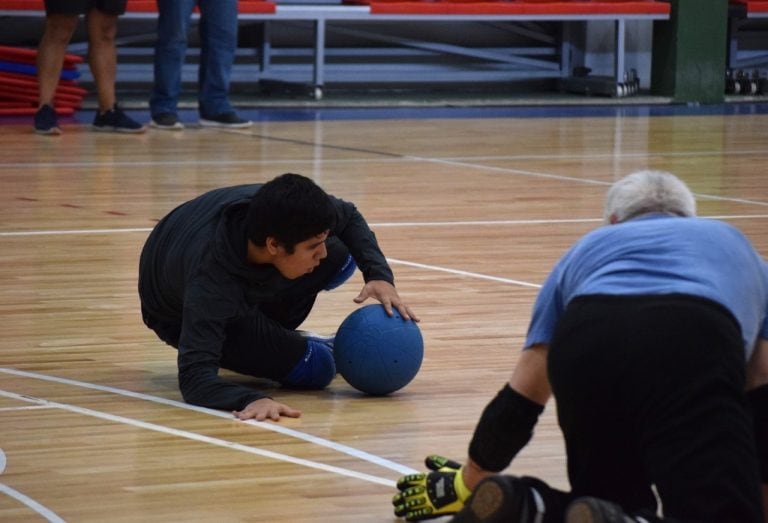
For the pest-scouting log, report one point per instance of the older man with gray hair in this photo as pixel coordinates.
(652, 335)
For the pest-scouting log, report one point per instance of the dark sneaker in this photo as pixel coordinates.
(593, 510)
(230, 120)
(116, 121)
(46, 121)
(501, 499)
(166, 121)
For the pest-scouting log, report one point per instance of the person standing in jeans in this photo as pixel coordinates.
(218, 42)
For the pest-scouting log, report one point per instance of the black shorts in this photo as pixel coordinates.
(79, 7)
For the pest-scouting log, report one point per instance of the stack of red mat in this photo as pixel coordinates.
(18, 83)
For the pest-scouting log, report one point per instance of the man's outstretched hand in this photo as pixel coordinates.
(266, 408)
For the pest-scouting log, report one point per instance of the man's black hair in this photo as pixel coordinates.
(291, 208)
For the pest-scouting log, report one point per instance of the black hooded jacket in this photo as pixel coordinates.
(193, 271)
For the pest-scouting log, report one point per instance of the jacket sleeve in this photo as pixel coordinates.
(200, 351)
(352, 229)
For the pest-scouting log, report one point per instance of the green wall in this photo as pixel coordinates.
(689, 52)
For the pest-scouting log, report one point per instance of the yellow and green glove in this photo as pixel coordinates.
(432, 494)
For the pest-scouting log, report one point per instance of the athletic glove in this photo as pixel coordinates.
(432, 494)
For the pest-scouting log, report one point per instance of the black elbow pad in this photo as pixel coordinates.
(504, 429)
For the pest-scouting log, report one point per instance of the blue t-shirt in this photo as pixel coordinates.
(660, 254)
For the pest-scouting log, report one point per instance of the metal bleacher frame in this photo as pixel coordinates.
(552, 56)
(739, 58)
(555, 57)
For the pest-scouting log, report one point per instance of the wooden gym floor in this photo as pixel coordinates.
(471, 211)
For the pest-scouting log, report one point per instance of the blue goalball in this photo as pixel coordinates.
(378, 354)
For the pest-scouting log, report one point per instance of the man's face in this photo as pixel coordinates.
(305, 257)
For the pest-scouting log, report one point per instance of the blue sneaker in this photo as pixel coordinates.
(46, 121)
(116, 121)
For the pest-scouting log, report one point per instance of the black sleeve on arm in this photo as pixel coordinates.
(758, 400)
(352, 229)
(505, 427)
(200, 349)
(200, 385)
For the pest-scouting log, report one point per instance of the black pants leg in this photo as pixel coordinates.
(649, 391)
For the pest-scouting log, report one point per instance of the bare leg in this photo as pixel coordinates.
(102, 55)
(50, 54)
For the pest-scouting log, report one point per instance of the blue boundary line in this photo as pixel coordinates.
(303, 114)
(297, 114)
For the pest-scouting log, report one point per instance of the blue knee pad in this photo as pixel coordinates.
(346, 272)
(316, 369)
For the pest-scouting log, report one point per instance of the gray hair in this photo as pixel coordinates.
(648, 191)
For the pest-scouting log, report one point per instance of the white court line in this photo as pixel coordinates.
(400, 262)
(73, 231)
(464, 273)
(199, 437)
(603, 156)
(482, 223)
(466, 223)
(373, 225)
(376, 460)
(45, 512)
(30, 407)
(24, 499)
(574, 179)
(312, 161)
(64, 232)
(174, 163)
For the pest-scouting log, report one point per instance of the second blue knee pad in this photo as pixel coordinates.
(316, 369)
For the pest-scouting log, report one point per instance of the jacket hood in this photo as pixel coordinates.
(230, 242)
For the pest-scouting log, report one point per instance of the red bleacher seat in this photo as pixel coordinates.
(517, 7)
(243, 6)
(22, 5)
(255, 6)
(140, 6)
(753, 6)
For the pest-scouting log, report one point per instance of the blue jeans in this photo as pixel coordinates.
(218, 42)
